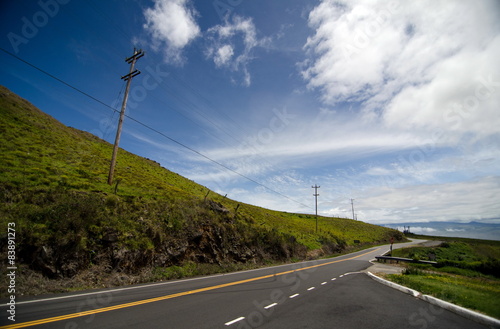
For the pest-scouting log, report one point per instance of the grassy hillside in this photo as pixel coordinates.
(157, 224)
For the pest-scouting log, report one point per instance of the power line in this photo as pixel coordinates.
(187, 102)
(56, 78)
(153, 129)
(215, 161)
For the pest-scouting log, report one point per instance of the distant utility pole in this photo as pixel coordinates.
(132, 73)
(315, 187)
(352, 206)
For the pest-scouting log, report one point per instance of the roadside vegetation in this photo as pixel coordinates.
(74, 231)
(467, 272)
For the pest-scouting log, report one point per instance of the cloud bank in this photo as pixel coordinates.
(414, 65)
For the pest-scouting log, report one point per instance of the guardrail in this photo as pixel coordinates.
(406, 260)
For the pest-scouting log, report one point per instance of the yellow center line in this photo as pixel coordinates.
(156, 299)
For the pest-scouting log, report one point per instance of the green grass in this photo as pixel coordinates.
(467, 273)
(479, 294)
(53, 185)
(474, 255)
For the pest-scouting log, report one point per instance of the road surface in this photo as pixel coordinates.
(329, 293)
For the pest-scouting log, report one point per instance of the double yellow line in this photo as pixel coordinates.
(157, 299)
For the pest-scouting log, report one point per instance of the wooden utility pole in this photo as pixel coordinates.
(352, 206)
(132, 73)
(316, 187)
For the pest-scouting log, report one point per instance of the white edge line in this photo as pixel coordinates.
(304, 264)
(234, 321)
(116, 289)
(156, 284)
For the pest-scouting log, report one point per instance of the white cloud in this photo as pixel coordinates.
(418, 166)
(424, 230)
(455, 230)
(410, 62)
(433, 202)
(223, 55)
(222, 45)
(402, 68)
(463, 97)
(172, 26)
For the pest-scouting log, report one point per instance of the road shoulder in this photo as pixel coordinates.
(377, 269)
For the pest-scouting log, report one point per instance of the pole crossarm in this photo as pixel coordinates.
(138, 53)
(131, 75)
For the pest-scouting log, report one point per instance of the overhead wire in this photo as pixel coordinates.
(151, 128)
(108, 131)
(111, 21)
(184, 100)
(188, 103)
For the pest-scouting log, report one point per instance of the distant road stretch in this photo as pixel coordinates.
(328, 293)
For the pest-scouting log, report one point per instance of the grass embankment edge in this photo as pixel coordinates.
(466, 273)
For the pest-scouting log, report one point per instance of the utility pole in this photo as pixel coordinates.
(132, 73)
(315, 187)
(352, 206)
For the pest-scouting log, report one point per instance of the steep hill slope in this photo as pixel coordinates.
(156, 224)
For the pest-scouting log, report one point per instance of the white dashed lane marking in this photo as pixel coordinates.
(234, 321)
(274, 304)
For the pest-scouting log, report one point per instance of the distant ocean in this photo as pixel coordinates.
(474, 230)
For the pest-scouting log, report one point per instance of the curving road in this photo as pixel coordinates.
(329, 293)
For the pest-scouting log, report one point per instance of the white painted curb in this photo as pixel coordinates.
(396, 286)
(466, 313)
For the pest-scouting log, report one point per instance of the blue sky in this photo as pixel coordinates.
(393, 104)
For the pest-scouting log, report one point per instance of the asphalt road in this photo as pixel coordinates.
(330, 293)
